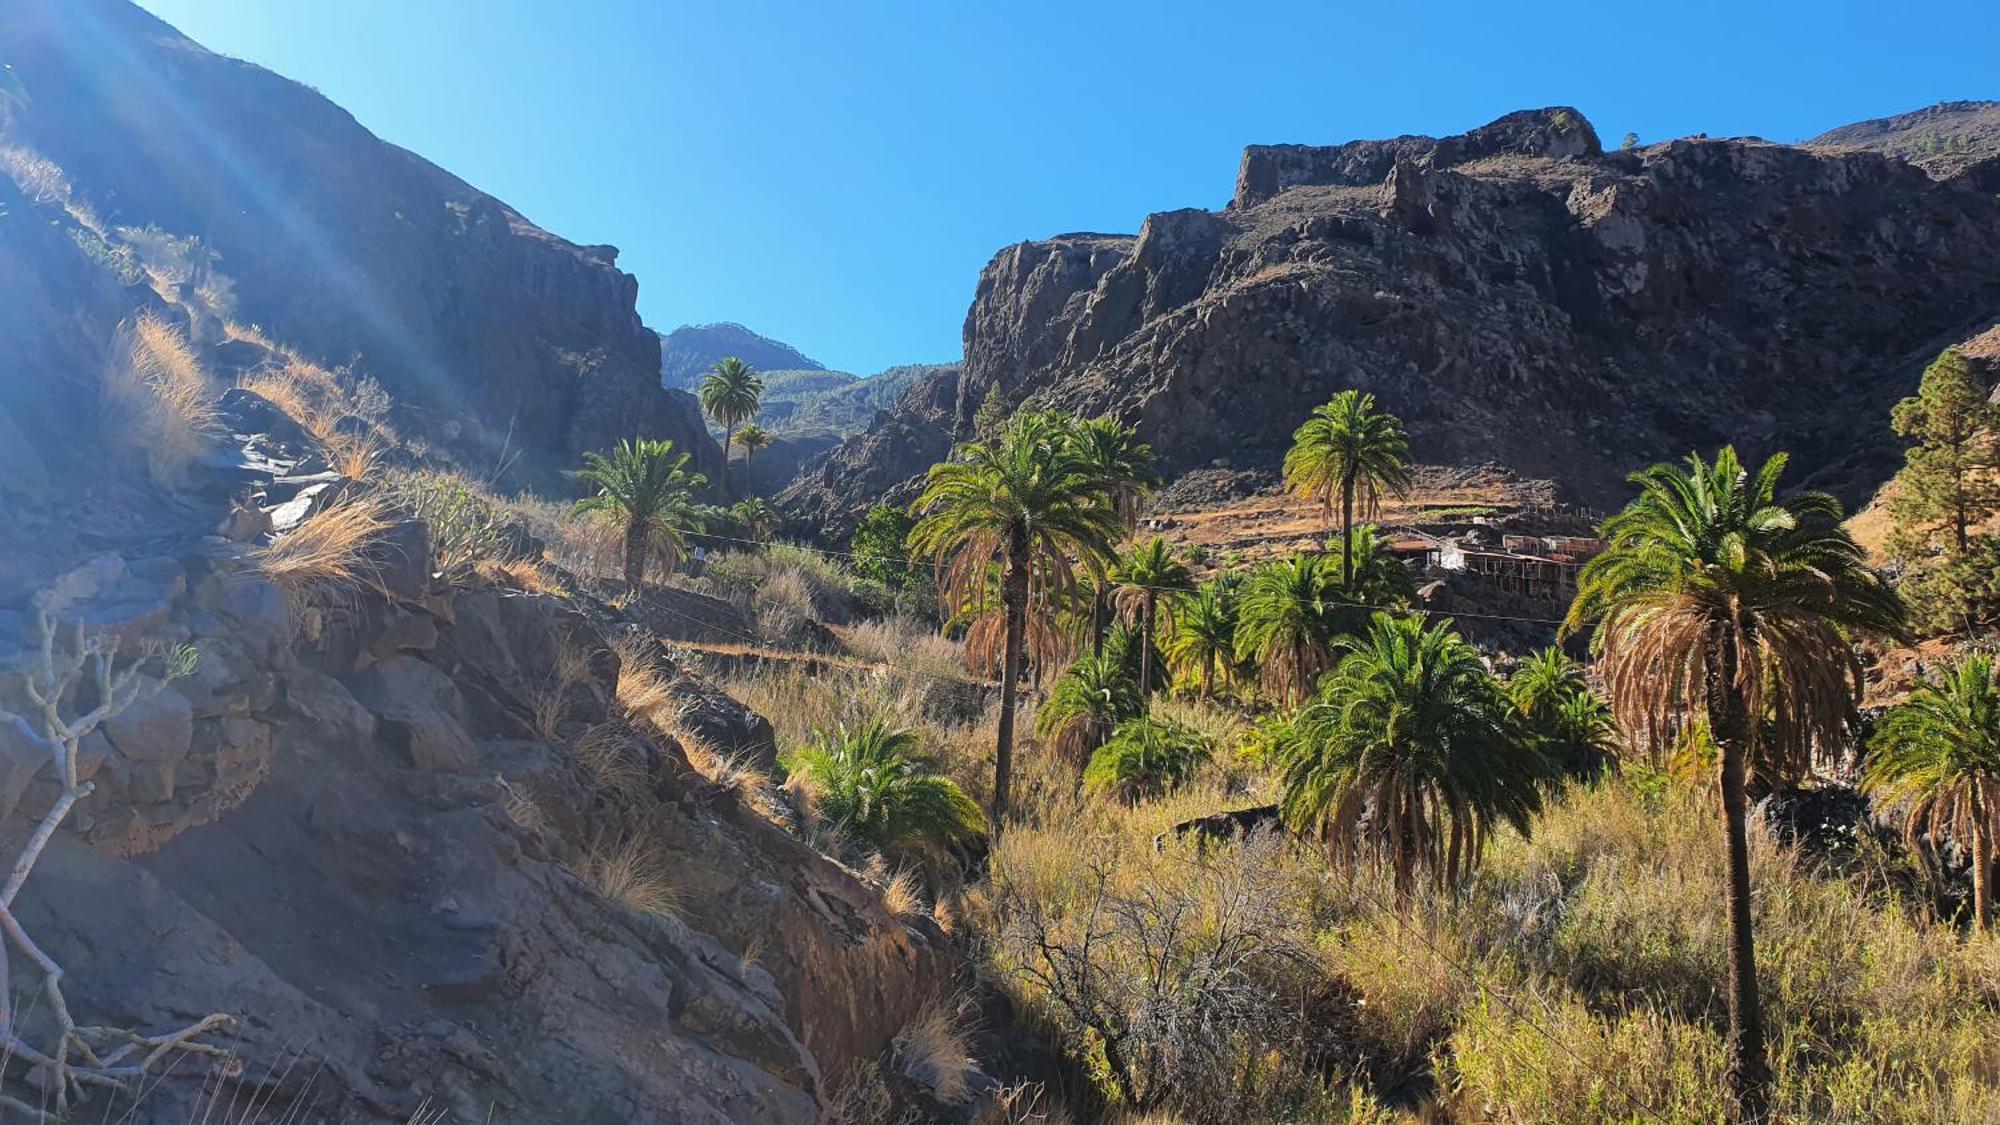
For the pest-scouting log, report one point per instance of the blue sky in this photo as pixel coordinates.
(835, 174)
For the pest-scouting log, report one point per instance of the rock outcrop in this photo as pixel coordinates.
(1944, 139)
(490, 333)
(1517, 294)
(358, 829)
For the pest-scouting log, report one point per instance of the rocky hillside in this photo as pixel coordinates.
(1517, 293)
(1942, 139)
(687, 353)
(490, 333)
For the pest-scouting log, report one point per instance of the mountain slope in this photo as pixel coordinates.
(494, 333)
(1942, 138)
(687, 353)
(1516, 293)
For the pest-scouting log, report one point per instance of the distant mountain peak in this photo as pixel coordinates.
(690, 350)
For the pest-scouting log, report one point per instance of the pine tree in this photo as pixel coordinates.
(1945, 486)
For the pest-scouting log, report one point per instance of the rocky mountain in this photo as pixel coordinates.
(1517, 293)
(687, 353)
(493, 336)
(1942, 139)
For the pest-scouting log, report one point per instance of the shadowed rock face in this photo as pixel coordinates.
(1515, 293)
(340, 244)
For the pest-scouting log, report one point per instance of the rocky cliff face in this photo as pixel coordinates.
(1517, 294)
(1944, 139)
(490, 330)
(357, 830)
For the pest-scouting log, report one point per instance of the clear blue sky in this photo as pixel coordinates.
(835, 174)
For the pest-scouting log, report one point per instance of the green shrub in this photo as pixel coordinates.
(466, 528)
(1146, 757)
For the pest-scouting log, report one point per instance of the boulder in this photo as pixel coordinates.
(157, 728)
(419, 712)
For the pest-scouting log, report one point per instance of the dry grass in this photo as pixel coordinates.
(38, 177)
(157, 399)
(354, 457)
(305, 392)
(627, 867)
(902, 895)
(607, 753)
(520, 574)
(327, 559)
(933, 1051)
(643, 690)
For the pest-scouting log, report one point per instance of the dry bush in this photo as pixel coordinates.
(934, 1051)
(783, 608)
(157, 398)
(625, 866)
(592, 547)
(327, 560)
(305, 392)
(38, 177)
(520, 574)
(354, 457)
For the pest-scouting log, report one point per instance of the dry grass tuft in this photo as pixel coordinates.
(643, 690)
(325, 560)
(902, 895)
(933, 1050)
(157, 398)
(630, 869)
(607, 754)
(353, 457)
(520, 574)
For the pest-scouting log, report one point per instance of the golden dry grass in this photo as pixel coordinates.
(606, 752)
(157, 398)
(933, 1050)
(627, 867)
(327, 559)
(902, 895)
(643, 690)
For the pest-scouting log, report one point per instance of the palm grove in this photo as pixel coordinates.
(1724, 618)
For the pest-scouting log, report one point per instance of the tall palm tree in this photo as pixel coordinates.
(1089, 700)
(730, 393)
(1350, 451)
(1411, 754)
(756, 517)
(1142, 576)
(752, 437)
(1938, 753)
(1716, 599)
(1127, 467)
(1204, 634)
(1555, 701)
(646, 486)
(1031, 503)
(871, 782)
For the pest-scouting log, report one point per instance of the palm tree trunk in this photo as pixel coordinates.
(1208, 675)
(635, 556)
(749, 467)
(728, 433)
(1347, 534)
(1097, 624)
(1982, 864)
(1749, 1073)
(1014, 600)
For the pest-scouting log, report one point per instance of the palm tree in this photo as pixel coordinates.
(1411, 754)
(1350, 450)
(646, 485)
(752, 437)
(755, 517)
(1127, 467)
(1291, 613)
(1031, 503)
(1716, 600)
(730, 393)
(871, 782)
(1145, 757)
(1938, 753)
(1146, 572)
(1553, 699)
(1088, 702)
(1204, 634)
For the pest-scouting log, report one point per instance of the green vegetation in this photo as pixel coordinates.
(880, 548)
(1575, 727)
(1036, 506)
(1412, 755)
(870, 782)
(1202, 642)
(1717, 599)
(1145, 757)
(1936, 757)
(1945, 489)
(1089, 700)
(645, 487)
(752, 437)
(1348, 451)
(1147, 572)
(730, 394)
